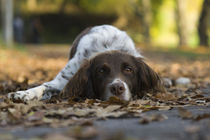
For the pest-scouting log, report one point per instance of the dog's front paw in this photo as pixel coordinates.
(19, 96)
(32, 94)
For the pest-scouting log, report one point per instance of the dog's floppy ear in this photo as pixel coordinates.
(148, 80)
(80, 85)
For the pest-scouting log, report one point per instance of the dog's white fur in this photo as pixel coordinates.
(98, 40)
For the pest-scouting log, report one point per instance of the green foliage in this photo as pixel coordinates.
(129, 16)
(105, 6)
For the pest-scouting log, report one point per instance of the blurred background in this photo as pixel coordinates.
(174, 36)
(158, 23)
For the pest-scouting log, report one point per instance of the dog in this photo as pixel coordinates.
(103, 62)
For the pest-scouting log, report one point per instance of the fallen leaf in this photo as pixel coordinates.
(166, 96)
(58, 136)
(82, 132)
(35, 116)
(110, 111)
(201, 116)
(145, 119)
(184, 113)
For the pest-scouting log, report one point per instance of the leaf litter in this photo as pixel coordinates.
(82, 114)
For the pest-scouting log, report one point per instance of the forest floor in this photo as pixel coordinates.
(183, 112)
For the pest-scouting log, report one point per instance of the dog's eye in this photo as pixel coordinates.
(101, 70)
(128, 70)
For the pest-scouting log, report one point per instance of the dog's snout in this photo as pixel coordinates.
(117, 88)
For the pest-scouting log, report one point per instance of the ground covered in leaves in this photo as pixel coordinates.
(22, 69)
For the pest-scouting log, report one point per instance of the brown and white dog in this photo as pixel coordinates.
(103, 63)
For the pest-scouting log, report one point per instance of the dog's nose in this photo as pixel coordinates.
(117, 88)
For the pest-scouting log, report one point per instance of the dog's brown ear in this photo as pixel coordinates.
(148, 80)
(80, 85)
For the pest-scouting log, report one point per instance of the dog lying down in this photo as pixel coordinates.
(103, 63)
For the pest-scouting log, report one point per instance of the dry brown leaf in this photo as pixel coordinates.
(58, 136)
(153, 117)
(110, 111)
(35, 116)
(166, 96)
(184, 113)
(201, 116)
(116, 100)
(14, 114)
(82, 132)
(165, 108)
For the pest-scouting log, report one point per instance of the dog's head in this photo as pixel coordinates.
(112, 74)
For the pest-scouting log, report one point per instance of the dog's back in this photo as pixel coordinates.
(99, 39)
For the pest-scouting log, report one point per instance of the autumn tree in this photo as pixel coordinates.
(203, 23)
(7, 21)
(181, 23)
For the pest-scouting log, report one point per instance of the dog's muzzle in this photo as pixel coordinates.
(120, 89)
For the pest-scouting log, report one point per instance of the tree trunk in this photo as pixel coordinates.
(203, 23)
(7, 21)
(181, 26)
(147, 16)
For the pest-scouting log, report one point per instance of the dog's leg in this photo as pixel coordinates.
(48, 89)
